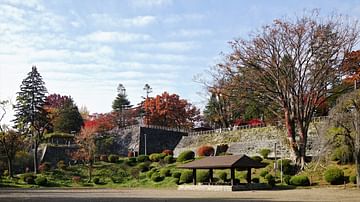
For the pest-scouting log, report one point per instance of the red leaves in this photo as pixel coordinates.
(102, 122)
(351, 66)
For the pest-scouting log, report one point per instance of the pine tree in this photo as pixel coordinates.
(31, 117)
(68, 119)
(120, 104)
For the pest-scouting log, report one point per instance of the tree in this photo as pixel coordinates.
(11, 142)
(120, 104)
(294, 64)
(30, 115)
(102, 122)
(65, 116)
(171, 111)
(87, 148)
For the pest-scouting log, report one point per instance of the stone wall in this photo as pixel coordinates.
(54, 154)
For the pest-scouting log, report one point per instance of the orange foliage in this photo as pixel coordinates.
(351, 66)
(171, 111)
(102, 122)
(205, 151)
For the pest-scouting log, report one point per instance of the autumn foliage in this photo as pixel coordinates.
(169, 110)
(102, 122)
(351, 66)
(205, 151)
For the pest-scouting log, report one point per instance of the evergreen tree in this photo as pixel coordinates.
(120, 104)
(31, 117)
(68, 119)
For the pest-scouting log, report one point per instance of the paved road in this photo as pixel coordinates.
(151, 195)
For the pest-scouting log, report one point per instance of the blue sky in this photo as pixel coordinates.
(86, 48)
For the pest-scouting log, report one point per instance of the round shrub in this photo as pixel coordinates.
(28, 178)
(42, 181)
(165, 172)
(168, 152)
(149, 174)
(287, 166)
(142, 158)
(205, 151)
(162, 155)
(131, 161)
(270, 179)
(255, 180)
(45, 167)
(257, 158)
(287, 179)
(113, 158)
(96, 180)
(186, 177)
(156, 177)
(221, 149)
(265, 153)
(300, 180)
(185, 156)
(353, 179)
(202, 176)
(143, 167)
(155, 157)
(175, 180)
(223, 176)
(334, 176)
(103, 158)
(263, 173)
(176, 174)
(169, 159)
(343, 154)
(61, 165)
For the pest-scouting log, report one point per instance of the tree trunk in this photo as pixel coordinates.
(90, 172)
(35, 157)
(302, 146)
(10, 167)
(291, 133)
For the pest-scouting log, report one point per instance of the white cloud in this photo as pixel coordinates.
(115, 37)
(150, 3)
(104, 19)
(172, 46)
(172, 19)
(191, 33)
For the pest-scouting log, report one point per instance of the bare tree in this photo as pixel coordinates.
(294, 64)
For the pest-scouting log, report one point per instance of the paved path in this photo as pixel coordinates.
(152, 195)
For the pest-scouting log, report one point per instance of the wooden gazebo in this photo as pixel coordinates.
(232, 162)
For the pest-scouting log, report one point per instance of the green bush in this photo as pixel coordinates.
(265, 153)
(156, 177)
(176, 174)
(169, 159)
(185, 156)
(42, 181)
(223, 176)
(143, 158)
(61, 165)
(175, 180)
(353, 179)
(186, 177)
(270, 179)
(300, 180)
(28, 178)
(263, 173)
(165, 172)
(150, 173)
(287, 166)
(255, 180)
(96, 180)
(343, 154)
(131, 161)
(287, 179)
(143, 167)
(155, 157)
(334, 176)
(113, 158)
(202, 176)
(257, 158)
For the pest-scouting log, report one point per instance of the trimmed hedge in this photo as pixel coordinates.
(205, 151)
(257, 158)
(288, 167)
(143, 158)
(28, 178)
(156, 177)
(186, 177)
(169, 159)
(300, 180)
(263, 173)
(270, 179)
(143, 167)
(353, 179)
(334, 176)
(264, 152)
(165, 172)
(185, 156)
(176, 174)
(202, 176)
(287, 179)
(223, 176)
(155, 157)
(42, 181)
(113, 158)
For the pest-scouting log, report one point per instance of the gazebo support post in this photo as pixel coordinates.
(194, 176)
(248, 176)
(232, 173)
(211, 176)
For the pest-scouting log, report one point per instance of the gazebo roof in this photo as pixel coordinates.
(222, 162)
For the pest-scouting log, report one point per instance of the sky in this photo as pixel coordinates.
(86, 48)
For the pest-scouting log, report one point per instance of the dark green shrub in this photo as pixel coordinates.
(143, 167)
(265, 153)
(42, 181)
(45, 167)
(156, 177)
(270, 179)
(96, 180)
(185, 156)
(61, 165)
(186, 177)
(176, 174)
(169, 159)
(165, 172)
(28, 178)
(223, 176)
(149, 174)
(155, 157)
(255, 180)
(334, 176)
(175, 180)
(343, 154)
(113, 158)
(263, 173)
(131, 161)
(287, 166)
(205, 151)
(287, 179)
(353, 179)
(142, 158)
(162, 155)
(300, 180)
(257, 158)
(202, 176)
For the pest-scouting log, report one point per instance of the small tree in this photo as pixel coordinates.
(86, 142)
